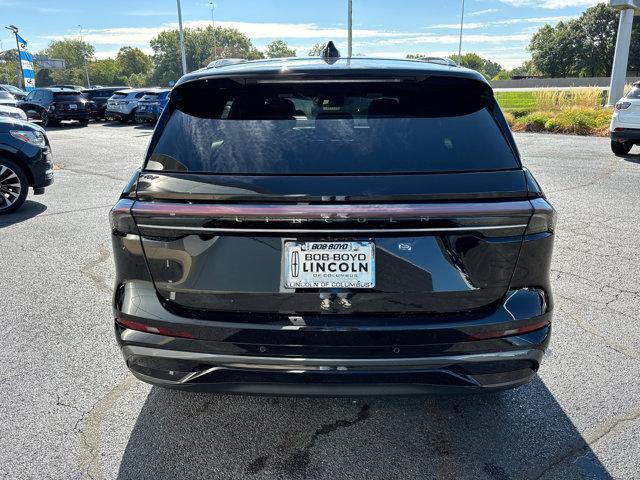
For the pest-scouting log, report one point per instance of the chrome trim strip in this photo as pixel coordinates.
(297, 230)
(296, 363)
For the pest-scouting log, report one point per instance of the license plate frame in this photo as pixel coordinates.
(353, 265)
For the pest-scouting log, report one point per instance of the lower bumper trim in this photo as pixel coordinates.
(280, 363)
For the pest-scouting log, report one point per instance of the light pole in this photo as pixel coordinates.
(182, 52)
(14, 29)
(86, 70)
(461, 29)
(627, 9)
(213, 26)
(350, 27)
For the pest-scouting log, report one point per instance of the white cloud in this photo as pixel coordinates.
(497, 23)
(483, 12)
(254, 30)
(551, 4)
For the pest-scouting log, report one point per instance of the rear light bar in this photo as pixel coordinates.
(141, 327)
(121, 220)
(328, 212)
(494, 218)
(543, 219)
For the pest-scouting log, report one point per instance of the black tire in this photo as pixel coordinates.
(621, 148)
(14, 186)
(84, 122)
(44, 117)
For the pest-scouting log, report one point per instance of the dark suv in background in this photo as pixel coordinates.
(53, 105)
(25, 161)
(98, 100)
(333, 226)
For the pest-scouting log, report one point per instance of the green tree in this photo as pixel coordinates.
(199, 47)
(582, 47)
(131, 60)
(525, 70)
(469, 60)
(279, 49)
(9, 67)
(555, 50)
(75, 53)
(105, 72)
(501, 75)
(316, 49)
(599, 28)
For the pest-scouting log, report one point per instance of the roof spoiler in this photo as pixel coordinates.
(224, 62)
(439, 61)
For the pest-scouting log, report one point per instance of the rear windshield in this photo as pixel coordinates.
(67, 96)
(4, 94)
(634, 93)
(332, 128)
(117, 96)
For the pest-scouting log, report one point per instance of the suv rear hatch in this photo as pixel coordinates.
(387, 196)
(70, 102)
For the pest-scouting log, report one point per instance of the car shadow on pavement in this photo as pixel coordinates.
(516, 434)
(632, 158)
(28, 210)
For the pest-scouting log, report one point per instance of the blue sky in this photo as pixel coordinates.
(497, 29)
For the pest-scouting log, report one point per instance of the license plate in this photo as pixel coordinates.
(329, 265)
(73, 106)
(142, 107)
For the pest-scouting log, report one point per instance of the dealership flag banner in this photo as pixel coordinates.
(26, 61)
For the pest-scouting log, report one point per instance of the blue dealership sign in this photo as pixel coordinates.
(26, 61)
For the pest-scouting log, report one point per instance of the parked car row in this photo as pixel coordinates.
(52, 105)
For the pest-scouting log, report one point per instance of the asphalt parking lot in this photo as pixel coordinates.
(70, 409)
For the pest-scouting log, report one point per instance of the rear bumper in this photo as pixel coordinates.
(397, 356)
(70, 116)
(146, 116)
(626, 134)
(117, 114)
(241, 374)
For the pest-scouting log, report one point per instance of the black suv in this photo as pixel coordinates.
(52, 105)
(98, 100)
(333, 226)
(25, 161)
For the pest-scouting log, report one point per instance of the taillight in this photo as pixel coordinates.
(141, 327)
(543, 219)
(622, 105)
(121, 220)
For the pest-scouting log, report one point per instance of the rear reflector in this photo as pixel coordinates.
(141, 327)
(532, 327)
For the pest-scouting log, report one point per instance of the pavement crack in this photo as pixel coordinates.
(589, 439)
(608, 171)
(97, 278)
(94, 174)
(297, 465)
(89, 424)
(588, 328)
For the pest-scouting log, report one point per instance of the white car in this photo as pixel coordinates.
(8, 111)
(625, 124)
(123, 104)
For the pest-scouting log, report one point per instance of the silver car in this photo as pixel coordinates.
(123, 104)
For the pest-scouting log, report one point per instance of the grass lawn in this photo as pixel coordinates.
(516, 101)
